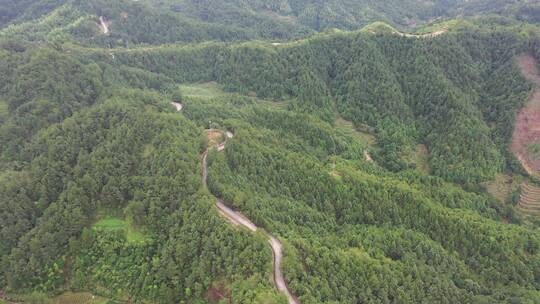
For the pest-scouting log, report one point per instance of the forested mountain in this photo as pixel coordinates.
(169, 21)
(347, 14)
(379, 159)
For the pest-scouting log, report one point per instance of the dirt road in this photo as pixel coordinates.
(237, 218)
(428, 35)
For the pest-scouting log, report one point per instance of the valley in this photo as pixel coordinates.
(281, 152)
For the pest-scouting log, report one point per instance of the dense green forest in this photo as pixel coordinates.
(365, 152)
(186, 21)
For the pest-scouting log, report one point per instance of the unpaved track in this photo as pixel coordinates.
(237, 218)
(428, 35)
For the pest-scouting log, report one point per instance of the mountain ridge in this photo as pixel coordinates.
(371, 154)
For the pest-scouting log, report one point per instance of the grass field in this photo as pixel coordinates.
(502, 186)
(210, 90)
(378, 27)
(281, 105)
(3, 109)
(438, 26)
(79, 298)
(65, 298)
(418, 155)
(205, 90)
(349, 128)
(113, 223)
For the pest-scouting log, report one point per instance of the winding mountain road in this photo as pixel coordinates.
(237, 218)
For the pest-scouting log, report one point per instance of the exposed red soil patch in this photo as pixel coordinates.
(214, 137)
(527, 127)
(217, 293)
(367, 156)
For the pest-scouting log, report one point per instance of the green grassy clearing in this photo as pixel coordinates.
(3, 109)
(378, 27)
(502, 186)
(79, 298)
(211, 90)
(148, 150)
(113, 223)
(205, 90)
(349, 128)
(418, 155)
(67, 297)
(443, 25)
(280, 105)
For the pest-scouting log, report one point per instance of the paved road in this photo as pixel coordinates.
(279, 280)
(237, 218)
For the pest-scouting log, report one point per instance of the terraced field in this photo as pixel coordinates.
(529, 202)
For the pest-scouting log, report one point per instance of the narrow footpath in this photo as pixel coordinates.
(237, 218)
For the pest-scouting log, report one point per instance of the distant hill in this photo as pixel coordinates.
(344, 14)
(369, 140)
(170, 21)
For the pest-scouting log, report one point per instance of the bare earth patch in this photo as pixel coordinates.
(367, 157)
(214, 137)
(178, 106)
(103, 25)
(527, 127)
(217, 293)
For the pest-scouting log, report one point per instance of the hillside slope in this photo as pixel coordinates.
(158, 22)
(361, 156)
